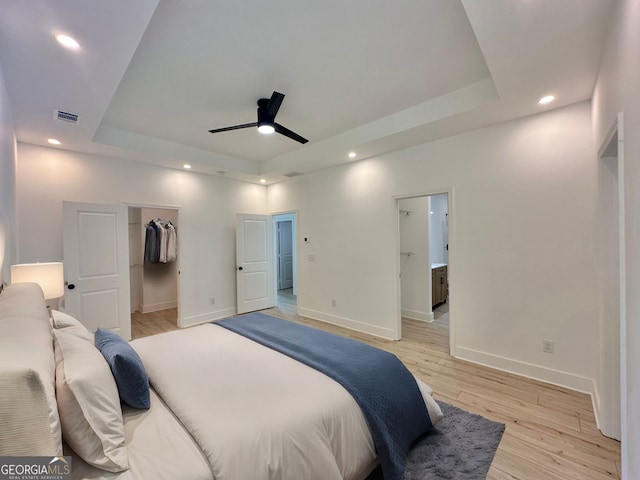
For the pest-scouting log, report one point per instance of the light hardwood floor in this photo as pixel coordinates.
(145, 324)
(550, 431)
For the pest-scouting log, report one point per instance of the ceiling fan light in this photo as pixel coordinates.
(68, 42)
(546, 99)
(266, 129)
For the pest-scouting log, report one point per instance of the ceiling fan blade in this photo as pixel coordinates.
(288, 133)
(273, 106)
(235, 127)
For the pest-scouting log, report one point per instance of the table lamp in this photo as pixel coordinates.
(49, 276)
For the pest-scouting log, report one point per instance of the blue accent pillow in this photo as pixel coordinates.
(127, 368)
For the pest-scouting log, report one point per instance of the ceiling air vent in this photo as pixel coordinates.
(292, 174)
(65, 116)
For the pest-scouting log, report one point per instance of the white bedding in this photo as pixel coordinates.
(222, 407)
(159, 448)
(255, 413)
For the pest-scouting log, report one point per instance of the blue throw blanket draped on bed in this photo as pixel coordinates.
(382, 386)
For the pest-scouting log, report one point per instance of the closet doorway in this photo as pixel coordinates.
(285, 246)
(154, 285)
(424, 262)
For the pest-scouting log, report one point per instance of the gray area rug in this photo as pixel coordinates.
(460, 447)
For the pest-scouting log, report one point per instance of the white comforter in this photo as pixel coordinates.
(255, 413)
(159, 448)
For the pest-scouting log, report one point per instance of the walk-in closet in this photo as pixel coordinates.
(154, 275)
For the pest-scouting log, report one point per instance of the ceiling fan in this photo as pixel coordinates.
(267, 110)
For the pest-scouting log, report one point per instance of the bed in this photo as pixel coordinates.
(221, 405)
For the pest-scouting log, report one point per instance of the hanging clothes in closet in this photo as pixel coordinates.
(160, 245)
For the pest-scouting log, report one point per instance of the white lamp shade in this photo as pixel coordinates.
(49, 276)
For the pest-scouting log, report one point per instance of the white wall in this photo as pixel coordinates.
(415, 267)
(618, 90)
(7, 185)
(47, 176)
(522, 241)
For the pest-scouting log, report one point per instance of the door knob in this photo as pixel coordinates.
(239, 268)
(71, 286)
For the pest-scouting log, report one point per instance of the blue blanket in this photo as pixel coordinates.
(382, 386)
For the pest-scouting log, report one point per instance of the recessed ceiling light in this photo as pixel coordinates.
(546, 99)
(187, 166)
(263, 180)
(68, 42)
(352, 154)
(53, 141)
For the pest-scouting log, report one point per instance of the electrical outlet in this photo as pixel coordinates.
(212, 300)
(547, 346)
(333, 303)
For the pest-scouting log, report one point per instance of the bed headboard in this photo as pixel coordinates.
(28, 408)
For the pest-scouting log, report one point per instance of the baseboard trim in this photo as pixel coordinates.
(207, 317)
(346, 323)
(415, 315)
(156, 307)
(543, 374)
(536, 372)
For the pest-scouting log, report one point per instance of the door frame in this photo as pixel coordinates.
(615, 138)
(397, 290)
(178, 253)
(293, 216)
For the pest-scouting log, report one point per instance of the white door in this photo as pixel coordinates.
(285, 255)
(96, 266)
(254, 267)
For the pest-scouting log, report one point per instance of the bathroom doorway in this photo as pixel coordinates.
(424, 252)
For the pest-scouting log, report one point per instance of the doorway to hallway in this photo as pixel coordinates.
(285, 234)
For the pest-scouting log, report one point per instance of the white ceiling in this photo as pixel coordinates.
(372, 76)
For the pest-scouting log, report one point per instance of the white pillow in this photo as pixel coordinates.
(89, 404)
(70, 324)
